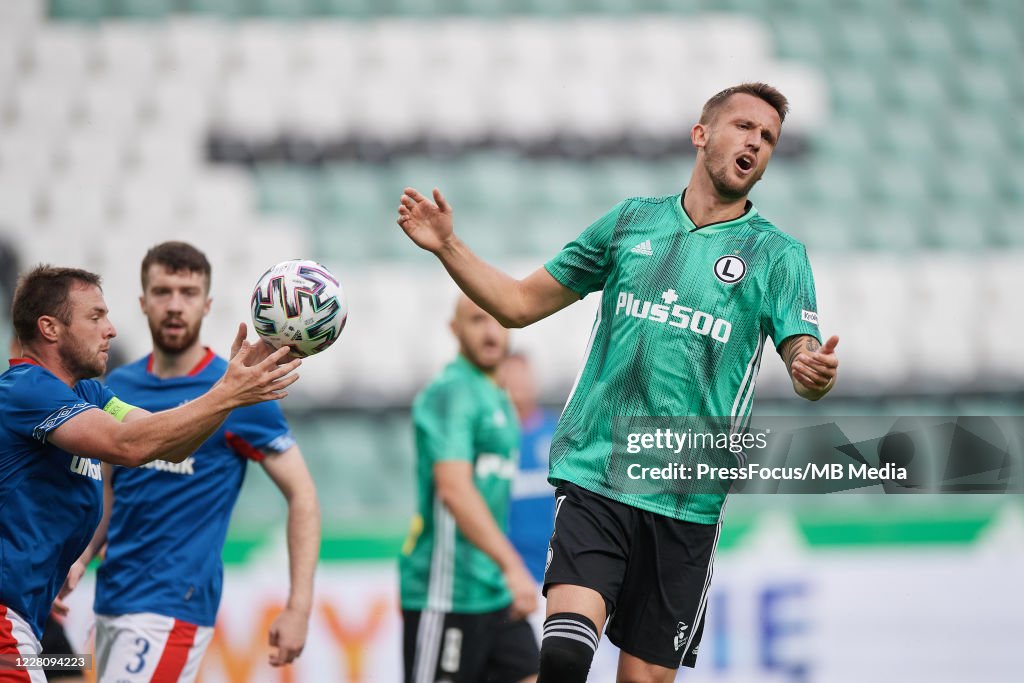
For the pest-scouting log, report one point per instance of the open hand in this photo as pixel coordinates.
(261, 350)
(427, 223)
(250, 381)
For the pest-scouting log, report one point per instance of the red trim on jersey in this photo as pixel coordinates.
(23, 361)
(199, 367)
(175, 655)
(9, 646)
(243, 447)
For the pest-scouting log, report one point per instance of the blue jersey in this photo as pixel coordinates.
(169, 520)
(532, 510)
(50, 500)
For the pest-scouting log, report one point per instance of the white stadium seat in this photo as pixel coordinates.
(132, 53)
(63, 54)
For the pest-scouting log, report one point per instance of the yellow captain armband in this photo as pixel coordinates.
(415, 529)
(118, 408)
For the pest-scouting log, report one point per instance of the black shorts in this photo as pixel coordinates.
(444, 647)
(653, 572)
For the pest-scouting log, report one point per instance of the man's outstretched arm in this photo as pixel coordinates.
(514, 303)
(812, 367)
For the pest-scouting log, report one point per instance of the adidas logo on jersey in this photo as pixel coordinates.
(644, 249)
(183, 467)
(85, 467)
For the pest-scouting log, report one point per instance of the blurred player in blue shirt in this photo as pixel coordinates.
(532, 511)
(159, 587)
(57, 423)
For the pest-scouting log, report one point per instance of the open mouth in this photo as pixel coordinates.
(745, 163)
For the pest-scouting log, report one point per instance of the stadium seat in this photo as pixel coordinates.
(286, 191)
(111, 108)
(196, 51)
(983, 85)
(41, 109)
(227, 9)
(925, 40)
(918, 89)
(130, 52)
(142, 9)
(19, 203)
(98, 159)
(249, 107)
(80, 10)
(62, 55)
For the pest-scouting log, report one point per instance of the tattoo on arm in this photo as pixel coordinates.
(794, 345)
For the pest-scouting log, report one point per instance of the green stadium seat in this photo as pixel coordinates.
(843, 140)
(968, 181)
(822, 230)
(918, 89)
(81, 10)
(926, 40)
(219, 8)
(288, 191)
(888, 228)
(984, 85)
(859, 95)
(344, 8)
(907, 138)
(1002, 228)
(863, 41)
(141, 9)
(991, 38)
(900, 182)
(282, 9)
(491, 180)
(955, 227)
(801, 38)
(979, 133)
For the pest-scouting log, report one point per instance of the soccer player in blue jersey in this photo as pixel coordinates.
(532, 508)
(159, 586)
(56, 424)
(693, 286)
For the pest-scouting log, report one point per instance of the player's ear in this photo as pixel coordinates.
(48, 328)
(699, 135)
(206, 308)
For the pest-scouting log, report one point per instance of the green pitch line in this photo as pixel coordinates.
(821, 531)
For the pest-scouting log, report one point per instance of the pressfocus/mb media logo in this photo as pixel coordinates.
(711, 455)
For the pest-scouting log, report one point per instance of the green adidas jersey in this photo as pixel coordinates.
(682, 323)
(461, 415)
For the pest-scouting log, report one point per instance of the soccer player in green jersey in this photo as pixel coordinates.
(465, 591)
(694, 284)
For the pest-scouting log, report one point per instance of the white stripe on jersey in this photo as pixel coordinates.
(586, 357)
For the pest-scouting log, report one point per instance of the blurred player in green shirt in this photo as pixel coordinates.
(693, 285)
(465, 591)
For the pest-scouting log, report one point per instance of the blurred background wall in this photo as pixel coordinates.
(268, 129)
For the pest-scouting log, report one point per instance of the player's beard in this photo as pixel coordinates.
(79, 360)
(165, 343)
(486, 355)
(718, 166)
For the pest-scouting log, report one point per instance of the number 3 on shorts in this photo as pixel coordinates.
(140, 663)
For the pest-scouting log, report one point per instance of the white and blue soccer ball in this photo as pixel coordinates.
(299, 304)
